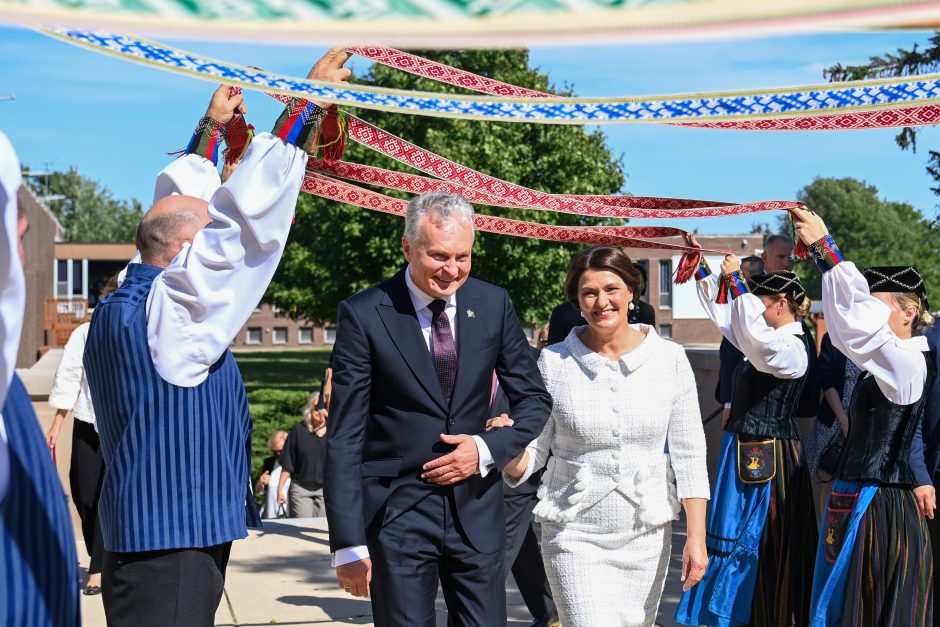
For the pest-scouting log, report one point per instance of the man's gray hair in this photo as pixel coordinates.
(445, 205)
(779, 237)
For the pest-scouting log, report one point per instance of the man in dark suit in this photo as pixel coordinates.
(413, 488)
(928, 438)
(523, 556)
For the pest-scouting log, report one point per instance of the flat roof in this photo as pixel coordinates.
(96, 251)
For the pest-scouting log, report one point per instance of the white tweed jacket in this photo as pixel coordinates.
(631, 425)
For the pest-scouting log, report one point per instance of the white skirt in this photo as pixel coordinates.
(605, 568)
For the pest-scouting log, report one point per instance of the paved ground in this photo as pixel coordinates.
(281, 575)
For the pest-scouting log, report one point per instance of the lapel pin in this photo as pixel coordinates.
(470, 314)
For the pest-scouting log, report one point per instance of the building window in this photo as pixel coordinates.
(329, 335)
(665, 330)
(665, 283)
(305, 335)
(253, 335)
(61, 278)
(279, 336)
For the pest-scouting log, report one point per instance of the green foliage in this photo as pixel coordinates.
(279, 383)
(88, 213)
(870, 230)
(902, 63)
(336, 250)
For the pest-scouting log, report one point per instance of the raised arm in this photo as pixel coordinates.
(199, 303)
(858, 322)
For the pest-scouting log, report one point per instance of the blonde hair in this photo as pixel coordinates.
(310, 412)
(277, 435)
(923, 319)
(800, 310)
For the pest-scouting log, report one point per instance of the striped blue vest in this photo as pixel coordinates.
(40, 580)
(177, 458)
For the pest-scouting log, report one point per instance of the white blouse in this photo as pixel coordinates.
(70, 386)
(778, 352)
(858, 327)
(609, 429)
(197, 306)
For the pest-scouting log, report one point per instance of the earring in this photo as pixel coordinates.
(582, 313)
(631, 307)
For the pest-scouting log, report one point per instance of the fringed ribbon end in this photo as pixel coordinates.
(238, 136)
(332, 135)
(800, 251)
(688, 266)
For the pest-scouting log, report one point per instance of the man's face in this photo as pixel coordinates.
(22, 225)
(777, 256)
(748, 268)
(439, 261)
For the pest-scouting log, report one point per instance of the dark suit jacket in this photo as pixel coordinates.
(388, 410)
(831, 369)
(930, 429)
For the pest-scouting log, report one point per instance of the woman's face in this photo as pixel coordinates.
(899, 320)
(604, 299)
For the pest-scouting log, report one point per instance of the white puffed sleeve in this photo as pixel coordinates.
(719, 313)
(774, 351)
(199, 303)
(858, 327)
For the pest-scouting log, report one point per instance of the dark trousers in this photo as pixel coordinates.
(417, 549)
(85, 475)
(523, 556)
(172, 588)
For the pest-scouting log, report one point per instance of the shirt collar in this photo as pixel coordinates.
(791, 328)
(419, 299)
(142, 271)
(595, 363)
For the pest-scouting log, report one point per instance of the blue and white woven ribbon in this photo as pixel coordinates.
(834, 98)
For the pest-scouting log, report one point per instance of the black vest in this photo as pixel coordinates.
(762, 404)
(878, 445)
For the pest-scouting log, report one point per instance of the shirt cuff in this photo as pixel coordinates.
(727, 405)
(735, 283)
(206, 139)
(349, 555)
(703, 270)
(486, 458)
(825, 253)
(299, 123)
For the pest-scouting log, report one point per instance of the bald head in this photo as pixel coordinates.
(170, 223)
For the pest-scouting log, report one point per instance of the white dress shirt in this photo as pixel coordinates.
(12, 290)
(70, 385)
(779, 352)
(197, 306)
(420, 302)
(858, 326)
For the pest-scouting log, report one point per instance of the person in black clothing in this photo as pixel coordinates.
(566, 315)
(302, 460)
(523, 556)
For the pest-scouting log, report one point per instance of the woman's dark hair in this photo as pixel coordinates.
(600, 258)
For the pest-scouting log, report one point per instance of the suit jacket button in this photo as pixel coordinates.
(450, 422)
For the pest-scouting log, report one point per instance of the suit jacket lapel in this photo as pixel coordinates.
(401, 322)
(468, 341)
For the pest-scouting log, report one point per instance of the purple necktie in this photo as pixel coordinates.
(443, 348)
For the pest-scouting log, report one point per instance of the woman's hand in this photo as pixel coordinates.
(503, 420)
(52, 436)
(809, 227)
(264, 479)
(282, 498)
(694, 561)
(926, 500)
(730, 264)
(517, 467)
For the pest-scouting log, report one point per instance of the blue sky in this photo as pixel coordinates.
(115, 121)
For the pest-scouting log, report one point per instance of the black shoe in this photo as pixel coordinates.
(545, 621)
(91, 590)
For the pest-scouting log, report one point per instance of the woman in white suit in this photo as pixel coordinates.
(627, 445)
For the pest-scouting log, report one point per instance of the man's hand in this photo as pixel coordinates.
(497, 422)
(725, 416)
(809, 227)
(354, 577)
(462, 462)
(330, 69)
(264, 479)
(730, 264)
(926, 500)
(690, 240)
(223, 105)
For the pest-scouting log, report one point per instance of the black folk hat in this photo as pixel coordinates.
(785, 283)
(897, 279)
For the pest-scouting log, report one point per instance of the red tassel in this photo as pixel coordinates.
(800, 251)
(722, 298)
(331, 136)
(238, 136)
(687, 266)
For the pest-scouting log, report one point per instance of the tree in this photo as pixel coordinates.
(88, 212)
(902, 63)
(335, 250)
(870, 231)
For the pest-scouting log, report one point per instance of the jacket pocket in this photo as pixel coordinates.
(562, 491)
(382, 467)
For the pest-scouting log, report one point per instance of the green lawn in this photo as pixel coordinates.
(279, 384)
